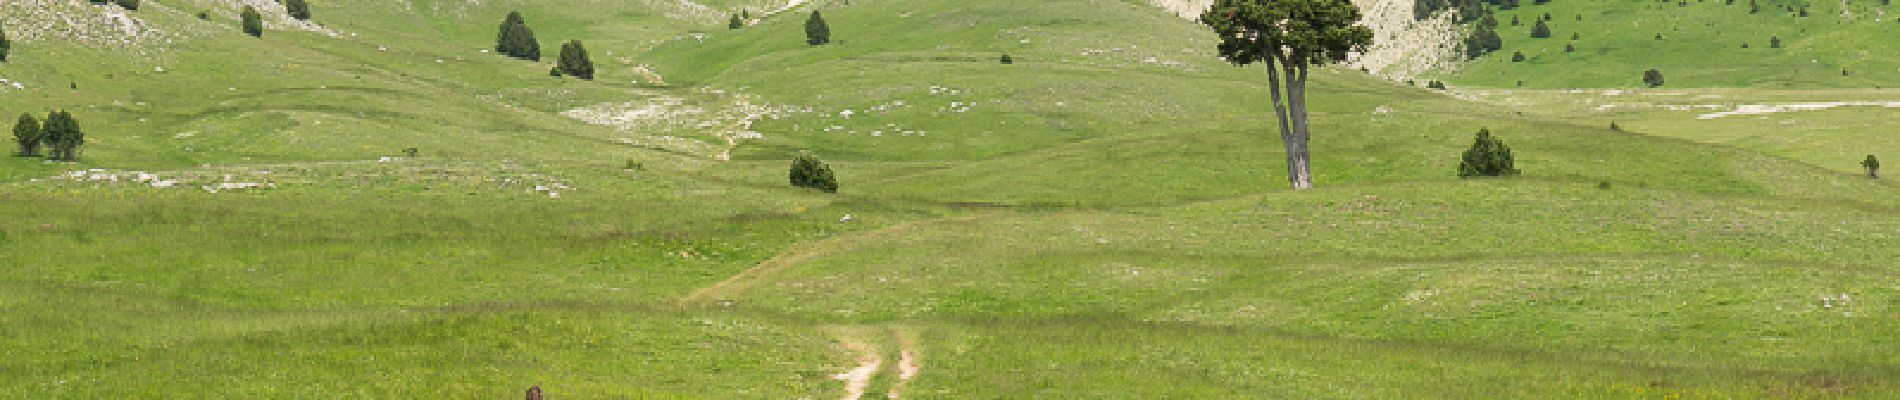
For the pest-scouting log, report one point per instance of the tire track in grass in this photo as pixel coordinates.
(866, 344)
(726, 289)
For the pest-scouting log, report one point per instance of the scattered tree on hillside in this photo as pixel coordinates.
(1653, 78)
(1774, 42)
(27, 134)
(1754, 8)
(1517, 56)
(817, 32)
(1570, 48)
(1488, 156)
(64, 135)
(574, 60)
(299, 9)
(1576, 36)
(6, 46)
(1540, 30)
(1872, 165)
(1515, 21)
(132, 5)
(735, 23)
(1471, 10)
(1290, 37)
(515, 39)
(1484, 39)
(253, 23)
(809, 172)
(1007, 60)
(745, 15)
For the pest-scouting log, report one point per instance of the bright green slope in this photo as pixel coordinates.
(1104, 220)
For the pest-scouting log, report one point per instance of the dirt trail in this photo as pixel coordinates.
(857, 380)
(725, 289)
(864, 343)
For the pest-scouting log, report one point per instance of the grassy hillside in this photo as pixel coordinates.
(1102, 218)
(1708, 43)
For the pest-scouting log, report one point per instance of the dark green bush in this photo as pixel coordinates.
(809, 172)
(1488, 156)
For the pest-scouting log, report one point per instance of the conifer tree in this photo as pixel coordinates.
(574, 61)
(1540, 30)
(6, 46)
(1653, 78)
(515, 39)
(1488, 156)
(27, 134)
(817, 32)
(1872, 165)
(299, 9)
(253, 22)
(736, 23)
(809, 172)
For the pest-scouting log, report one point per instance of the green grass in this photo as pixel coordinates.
(1105, 219)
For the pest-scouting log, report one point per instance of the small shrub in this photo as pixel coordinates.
(204, 15)
(1872, 164)
(735, 23)
(1603, 185)
(635, 166)
(253, 23)
(1435, 85)
(809, 172)
(1007, 60)
(817, 31)
(1615, 127)
(574, 61)
(1517, 56)
(299, 9)
(1774, 42)
(1653, 78)
(410, 152)
(1487, 156)
(1570, 48)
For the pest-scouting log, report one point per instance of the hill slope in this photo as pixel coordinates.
(1101, 218)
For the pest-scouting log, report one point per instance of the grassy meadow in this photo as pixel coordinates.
(1105, 218)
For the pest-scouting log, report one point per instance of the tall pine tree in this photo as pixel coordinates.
(27, 134)
(817, 32)
(574, 60)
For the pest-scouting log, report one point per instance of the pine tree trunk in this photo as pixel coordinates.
(1299, 162)
(1295, 166)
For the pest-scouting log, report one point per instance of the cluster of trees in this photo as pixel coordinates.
(817, 32)
(1484, 38)
(1488, 156)
(131, 5)
(252, 22)
(60, 133)
(516, 39)
(574, 61)
(809, 172)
